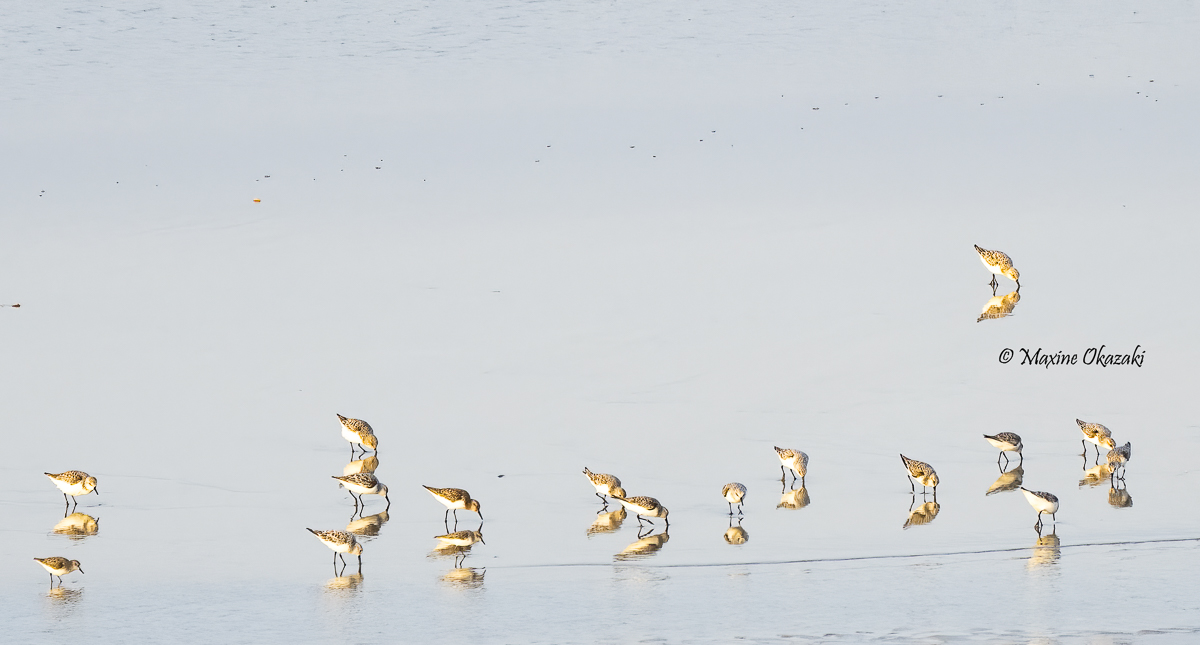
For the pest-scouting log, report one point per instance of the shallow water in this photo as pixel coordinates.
(495, 233)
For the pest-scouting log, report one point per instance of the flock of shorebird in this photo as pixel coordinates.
(75, 483)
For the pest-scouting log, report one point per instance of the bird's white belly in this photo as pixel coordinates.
(994, 268)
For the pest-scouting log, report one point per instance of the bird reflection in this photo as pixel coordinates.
(1118, 497)
(1010, 480)
(794, 499)
(647, 544)
(736, 534)
(1096, 475)
(923, 514)
(607, 522)
(77, 526)
(368, 526)
(367, 465)
(351, 581)
(465, 577)
(1046, 550)
(999, 306)
(65, 595)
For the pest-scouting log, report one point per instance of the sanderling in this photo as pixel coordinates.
(341, 542)
(605, 485)
(606, 522)
(998, 263)
(364, 484)
(923, 514)
(643, 506)
(1043, 502)
(1006, 442)
(1097, 434)
(77, 526)
(73, 483)
(357, 431)
(59, 567)
(1008, 480)
(368, 526)
(999, 306)
(1117, 458)
(734, 493)
(454, 499)
(792, 459)
(736, 534)
(921, 472)
(794, 498)
(645, 545)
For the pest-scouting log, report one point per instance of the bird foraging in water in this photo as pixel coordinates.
(1117, 458)
(1097, 434)
(357, 431)
(454, 499)
(643, 506)
(606, 485)
(364, 484)
(59, 567)
(341, 542)
(921, 472)
(1006, 442)
(1042, 502)
(998, 263)
(73, 483)
(793, 460)
(734, 493)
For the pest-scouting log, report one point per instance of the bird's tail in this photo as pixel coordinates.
(988, 436)
(340, 417)
(318, 533)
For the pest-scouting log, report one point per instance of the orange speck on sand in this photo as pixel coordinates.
(257, 200)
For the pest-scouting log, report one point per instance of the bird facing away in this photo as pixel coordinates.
(1118, 456)
(357, 431)
(1097, 434)
(454, 499)
(1042, 502)
(364, 484)
(734, 493)
(59, 567)
(73, 483)
(921, 472)
(606, 485)
(793, 460)
(643, 506)
(341, 542)
(998, 263)
(1006, 442)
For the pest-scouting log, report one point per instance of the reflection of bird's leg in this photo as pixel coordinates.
(1022, 456)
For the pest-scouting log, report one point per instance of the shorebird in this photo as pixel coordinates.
(454, 499)
(792, 459)
(922, 472)
(364, 484)
(1043, 503)
(59, 567)
(605, 485)
(460, 539)
(1006, 442)
(341, 542)
(1097, 434)
(734, 493)
(643, 506)
(1117, 458)
(357, 431)
(998, 263)
(73, 483)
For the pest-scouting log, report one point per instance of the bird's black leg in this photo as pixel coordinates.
(730, 507)
(782, 474)
(912, 485)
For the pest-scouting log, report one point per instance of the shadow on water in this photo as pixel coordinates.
(999, 306)
(923, 514)
(607, 522)
(77, 526)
